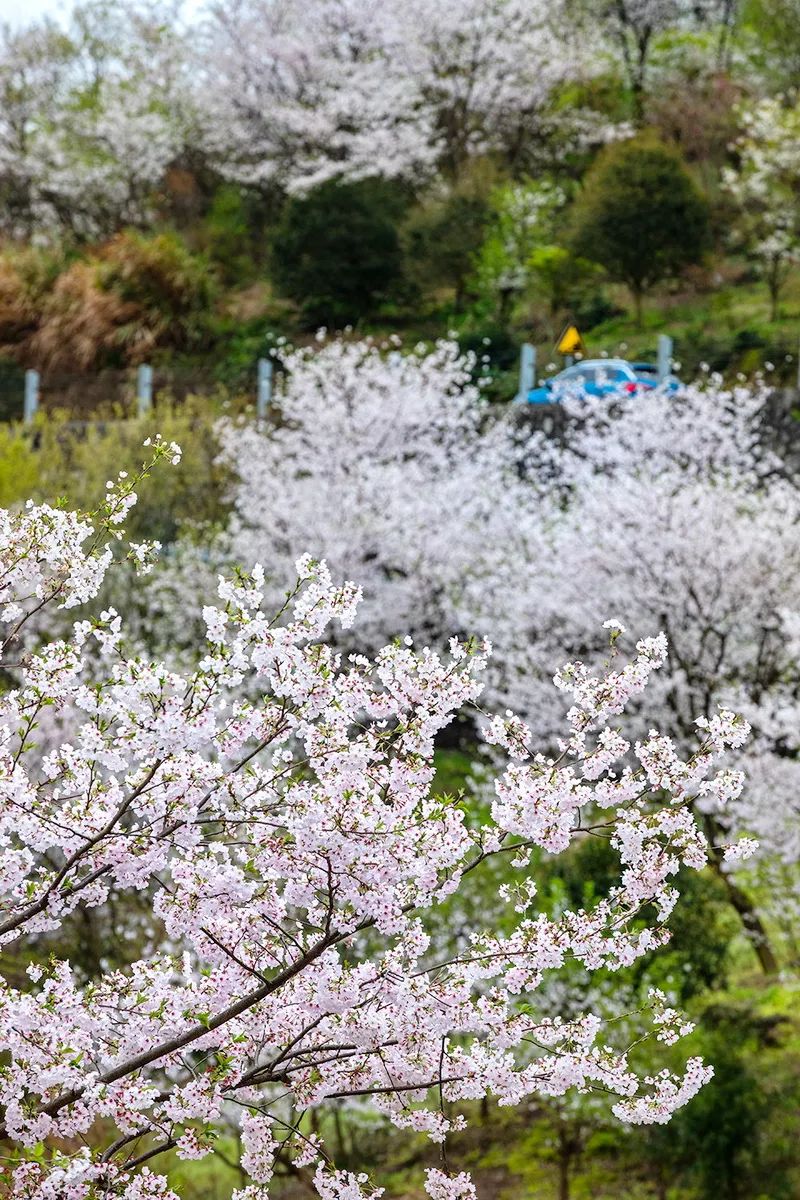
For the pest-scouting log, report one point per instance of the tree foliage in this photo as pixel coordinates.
(337, 251)
(640, 216)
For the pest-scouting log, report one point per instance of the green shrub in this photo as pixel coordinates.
(561, 277)
(336, 252)
(74, 462)
(232, 234)
(19, 465)
(641, 216)
(442, 238)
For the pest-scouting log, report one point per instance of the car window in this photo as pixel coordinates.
(578, 375)
(614, 375)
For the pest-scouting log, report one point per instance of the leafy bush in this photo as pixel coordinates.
(337, 253)
(232, 233)
(561, 277)
(27, 274)
(71, 462)
(640, 216)
(443, 236)
(18, 465)
(82, 325)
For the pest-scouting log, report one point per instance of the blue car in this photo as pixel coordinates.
(600, 377)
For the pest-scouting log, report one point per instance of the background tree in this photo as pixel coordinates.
(337, 251)
(640, 216)
(774, 41)
(93, 118)
(765, 186)
(733, 1140)
(488, 74)
(634, 25)
(34, 65)
(522, 218)
(295, 95)
(443, 234)
(657, 479)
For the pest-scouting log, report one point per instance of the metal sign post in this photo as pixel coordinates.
(264, 395)
(527, 371)
(144, 389)
(31, 396)
(664, 357)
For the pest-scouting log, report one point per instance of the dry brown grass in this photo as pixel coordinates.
(113, 307)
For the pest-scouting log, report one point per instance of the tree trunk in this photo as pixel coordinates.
(643, 37)
(566, 1152)
(754, 926)
(563, 1177)
(726, 29)
(774, 281)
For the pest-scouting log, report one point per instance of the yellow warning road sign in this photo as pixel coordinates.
(570, 341)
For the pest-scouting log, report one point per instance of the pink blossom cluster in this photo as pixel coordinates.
(275, 809)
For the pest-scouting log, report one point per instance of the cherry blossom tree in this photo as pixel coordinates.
(275, 95)
(764, 186)
(667, 511)
(291, 848)
(672, 510)
(391, 466)
(633, 26)
(33, 65)
(295, 95)
(93, 117)
(486, 72)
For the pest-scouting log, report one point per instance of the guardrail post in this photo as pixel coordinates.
(527, 371)
(144, 389)
(31, 404)
(264, 396)
(664, 357)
